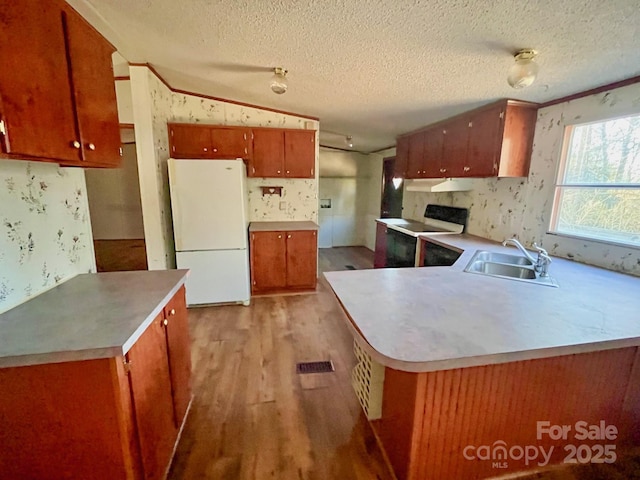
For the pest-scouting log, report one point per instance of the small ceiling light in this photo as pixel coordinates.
(279, 80)
(349, 141)
(523, 72)
(397, 181)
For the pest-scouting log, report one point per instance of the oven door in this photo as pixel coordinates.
(435, 255)
(401, 249)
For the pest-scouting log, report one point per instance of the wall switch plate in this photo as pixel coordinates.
(283, 205)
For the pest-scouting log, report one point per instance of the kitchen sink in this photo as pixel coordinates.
(514, 267)
(495, 257)
(501, 270)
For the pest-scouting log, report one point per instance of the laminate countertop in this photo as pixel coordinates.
(439, 318)
(91, 316)
(283, 226)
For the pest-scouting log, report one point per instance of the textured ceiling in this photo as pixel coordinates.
(374, 68)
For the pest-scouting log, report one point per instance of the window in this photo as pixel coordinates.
(598, 187)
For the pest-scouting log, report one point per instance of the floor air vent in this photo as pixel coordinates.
(314, 367)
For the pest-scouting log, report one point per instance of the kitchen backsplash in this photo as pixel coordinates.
(45, 233)
(521, 207)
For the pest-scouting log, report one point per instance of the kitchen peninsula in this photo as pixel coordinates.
(472, 360)
(95, 378)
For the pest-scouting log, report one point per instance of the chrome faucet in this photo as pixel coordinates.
(540, 264)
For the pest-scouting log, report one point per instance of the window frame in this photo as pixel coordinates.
(560, 174)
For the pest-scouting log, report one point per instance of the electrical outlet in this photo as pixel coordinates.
(283, 205)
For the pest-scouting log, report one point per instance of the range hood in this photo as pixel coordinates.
(439, 185)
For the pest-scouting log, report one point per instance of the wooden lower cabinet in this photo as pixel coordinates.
(108, 418)
(282, 261)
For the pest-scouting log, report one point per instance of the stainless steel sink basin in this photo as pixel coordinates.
(502, 265)
(501, 270)
(502, 258)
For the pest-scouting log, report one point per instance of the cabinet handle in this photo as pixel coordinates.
(120, 149)
(288, 236)
(165, 322)
(444, 132)
(279, 236)
(287, 171)
(245, 150)
(278, 171)
(215, 149)
(172, 312)
(466, 169)
(470, 124)
(204, 149)
(91, 146)
(75, 144)
(443, 170)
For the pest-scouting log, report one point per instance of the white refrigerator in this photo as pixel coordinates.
(210, 221)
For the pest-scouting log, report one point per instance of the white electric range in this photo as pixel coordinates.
(401, 242)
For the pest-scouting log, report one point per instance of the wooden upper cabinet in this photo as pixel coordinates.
(57, 93)
(189, 141)
(485, 129)
(402, 157)
(37, 104)
(416, 167)
(454, 148)
(433, 142)
(206, 141)
(495, 140)
(299, 153)
(268, 153)
(230, 142)
(94, 92)
(302, 254)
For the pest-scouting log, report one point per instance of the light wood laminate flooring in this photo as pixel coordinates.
(252, 416)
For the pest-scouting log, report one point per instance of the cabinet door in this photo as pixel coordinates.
(380, 256)
(433, 140)
(485, 128)
(151, 390)
(179, 349)
(230, 142)
(299, 153)
(454, 148)
(302, 257)
(268, 261)
(402, 157)
(416, 156)
(37, 104)
(94, 92)
(190, 141)
(268, 153)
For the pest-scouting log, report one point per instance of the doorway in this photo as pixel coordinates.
(116, 211)
(391, 205)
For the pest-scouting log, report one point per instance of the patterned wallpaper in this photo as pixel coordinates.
(521, 207)
(45, 233)
(300, 195)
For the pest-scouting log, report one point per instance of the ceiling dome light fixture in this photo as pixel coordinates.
(523, 72)
(349, 141)
(279, 80)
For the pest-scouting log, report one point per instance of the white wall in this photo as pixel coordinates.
(114, 199)
(151, 111)
(503, 208)
(45, 233)
(343, 181)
